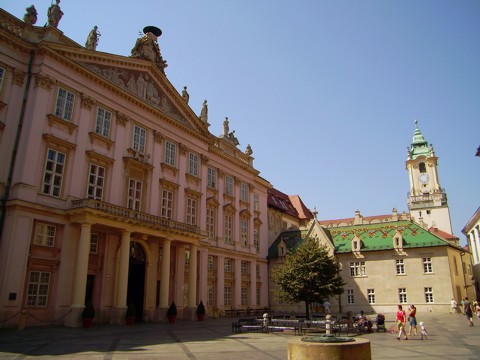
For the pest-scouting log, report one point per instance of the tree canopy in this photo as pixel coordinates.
(308, 274)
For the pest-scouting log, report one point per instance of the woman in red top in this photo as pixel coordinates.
(401, 320)
(412, 319)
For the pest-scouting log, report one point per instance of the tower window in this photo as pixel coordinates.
(422, 167)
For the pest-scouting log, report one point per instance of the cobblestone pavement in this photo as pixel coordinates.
(450, 337)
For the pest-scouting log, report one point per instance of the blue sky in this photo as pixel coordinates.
(326, 92)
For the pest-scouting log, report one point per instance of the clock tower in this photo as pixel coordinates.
(427, 201)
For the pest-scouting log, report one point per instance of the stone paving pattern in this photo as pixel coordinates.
(450, 337)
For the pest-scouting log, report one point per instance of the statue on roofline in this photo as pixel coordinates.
(92, 39)
(30, 16)
(54, 14)
(147, 47)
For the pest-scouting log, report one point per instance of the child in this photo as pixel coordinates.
(423, 330)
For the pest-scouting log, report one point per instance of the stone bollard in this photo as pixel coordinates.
(328, 324)
(22, 322)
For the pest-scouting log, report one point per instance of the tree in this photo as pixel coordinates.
(308, 274)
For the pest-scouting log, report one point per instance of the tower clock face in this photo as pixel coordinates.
(423, 178)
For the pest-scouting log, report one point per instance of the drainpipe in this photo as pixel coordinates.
(6, 194)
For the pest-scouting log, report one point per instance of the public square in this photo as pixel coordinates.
(450, 337)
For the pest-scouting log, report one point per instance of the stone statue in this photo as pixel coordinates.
(204, 112)
(147, 48)
(30, 16)
(232, 138)
(248, 150)
(92, 39)
(225, 127)
(185, 95)
(54, 14)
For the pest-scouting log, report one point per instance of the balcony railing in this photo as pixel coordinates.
(129, 214)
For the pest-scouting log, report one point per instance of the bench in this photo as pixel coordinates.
(249, 324)
(285, 324)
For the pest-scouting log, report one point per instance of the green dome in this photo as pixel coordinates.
(419, 144)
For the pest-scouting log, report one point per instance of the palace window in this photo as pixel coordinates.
(256, 242)
(139, 138)
(53, 172)
(193, 164)
(44, 234)
(187, 257)
(428, 295)
(191, 211)
(211, 215)
(244, 192)
(350, 296)
(227, 265)
(37, 288)
(257, 270)
(227, 295)
(256, 202)
(170, 153)
(400, 266)
(402, 295)
(258, 297)
(228, 228)
(96, 182)
(94, 243)
(244, 232)
(211, 178)
(228, 185)
(357, 268)
(134, 194)
(427, 265)
(166, 210)
(244, 296)
(64, 104)
(103, 121)
(244, 267)
(211, 295)
(211, 263)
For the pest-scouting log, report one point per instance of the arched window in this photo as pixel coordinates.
(422, 167)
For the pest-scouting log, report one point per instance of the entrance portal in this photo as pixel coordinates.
(136, 278)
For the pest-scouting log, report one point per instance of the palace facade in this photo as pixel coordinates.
(115, 191)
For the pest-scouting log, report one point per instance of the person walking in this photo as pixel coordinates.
(412, 320)
(401, 320)
(453, 305)
(467, 309)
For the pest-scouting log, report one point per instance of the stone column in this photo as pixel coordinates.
(180, 277)
(202, 289)
(165, 275)
(253, 284)
(80, 280)
(192, 277)
(220, 281)
(117, 314)
(237, 290)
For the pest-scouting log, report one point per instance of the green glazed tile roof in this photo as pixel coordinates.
(374, 237)
(380, 236)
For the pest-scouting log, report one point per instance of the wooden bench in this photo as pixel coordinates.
(285, 324)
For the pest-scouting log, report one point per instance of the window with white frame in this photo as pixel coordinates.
(258, 297)
(244, 267)
(371, 296)
(256, 202)
(53, 172)
(227, 265)
(402, 295)
(427, 265)
(228, 228)
(244, 296)
(211, 215)
(44, 234)
(212, 178)
(400, 266)
(428, 295)
(170, 153)
(211, 296)
(244, 192)
(193, 164)
(227, 295)
(37, 288)
(211, 263)
(166, 210)
(134, 194)
(94, 243)
(229, 185)
(350, 296)
(96, 182)
(64, 104)
(244, 232)
(139, 138)
(191, 211)
(357, 268)
(103, 121)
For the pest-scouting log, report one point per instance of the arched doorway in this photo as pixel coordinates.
(136, 278)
